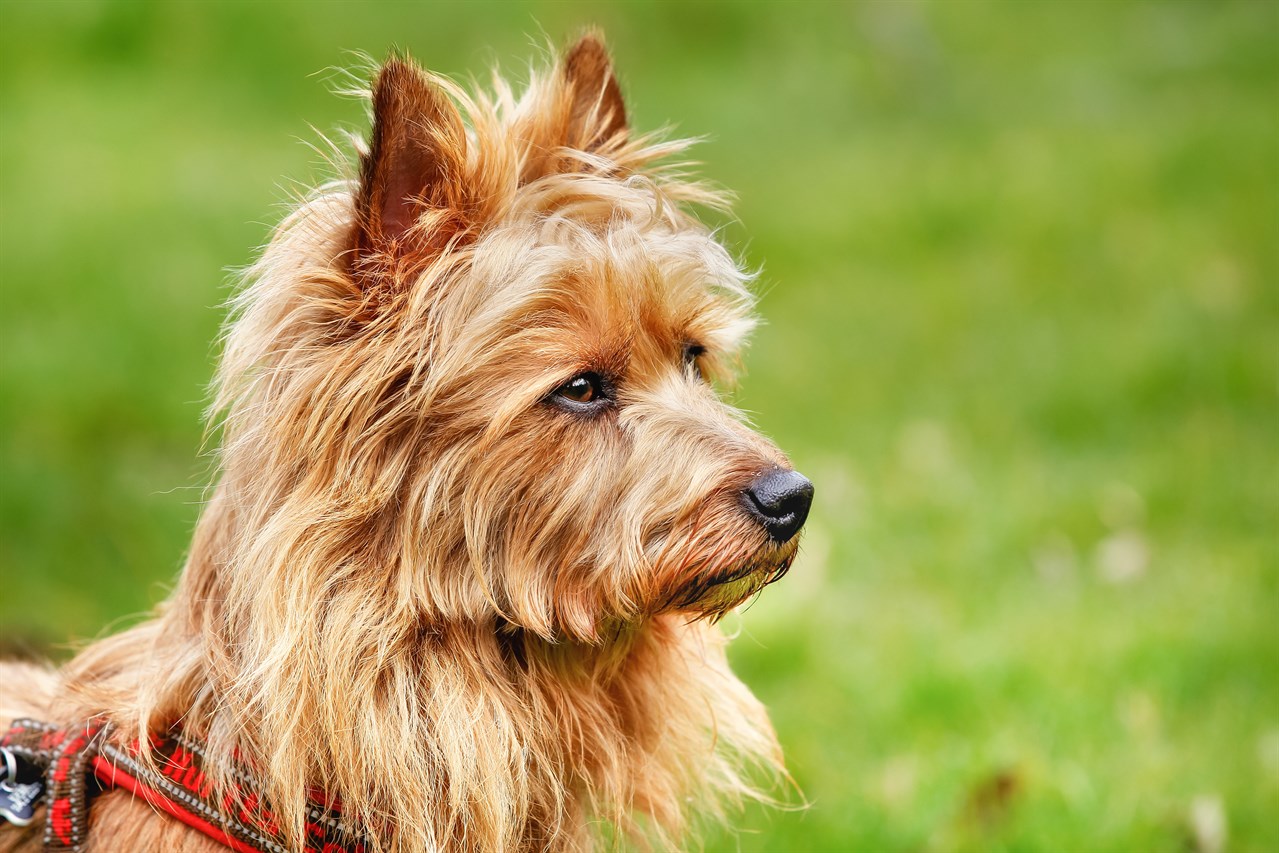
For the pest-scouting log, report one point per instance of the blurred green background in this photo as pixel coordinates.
(1020, 266)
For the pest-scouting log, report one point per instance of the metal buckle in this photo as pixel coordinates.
(18, 800)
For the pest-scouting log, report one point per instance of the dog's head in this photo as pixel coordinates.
(485, 370)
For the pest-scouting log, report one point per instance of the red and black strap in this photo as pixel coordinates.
(64, 767)
(64, 757)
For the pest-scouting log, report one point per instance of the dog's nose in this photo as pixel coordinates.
(779, 500)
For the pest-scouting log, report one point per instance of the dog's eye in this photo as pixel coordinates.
(586, 390)
(693, 352)
(580, 389)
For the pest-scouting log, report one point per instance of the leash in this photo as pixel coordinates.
(62, 769)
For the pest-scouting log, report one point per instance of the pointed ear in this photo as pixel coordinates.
(597, 114)
(412, 178)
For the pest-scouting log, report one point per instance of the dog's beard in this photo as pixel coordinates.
(719, 588)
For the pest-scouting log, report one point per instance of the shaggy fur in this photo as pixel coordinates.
(481, 616)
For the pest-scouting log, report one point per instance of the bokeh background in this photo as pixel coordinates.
(1020, 266)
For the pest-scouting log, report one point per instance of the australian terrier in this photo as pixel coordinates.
(479, 508)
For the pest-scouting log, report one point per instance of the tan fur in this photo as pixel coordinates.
(484, 622)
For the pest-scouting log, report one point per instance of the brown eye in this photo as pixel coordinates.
(586, 391)
(580, 390)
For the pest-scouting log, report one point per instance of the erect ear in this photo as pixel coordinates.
(412, 178)
(597, 114)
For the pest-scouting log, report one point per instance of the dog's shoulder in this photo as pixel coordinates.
(26, 690)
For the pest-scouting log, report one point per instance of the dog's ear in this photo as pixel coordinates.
(597, 114)
(411, 179)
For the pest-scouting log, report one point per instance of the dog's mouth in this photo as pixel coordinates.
(711, 594)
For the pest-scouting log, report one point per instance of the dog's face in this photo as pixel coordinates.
(604, 475)
(531, 333)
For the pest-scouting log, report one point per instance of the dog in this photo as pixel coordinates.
(478, 510)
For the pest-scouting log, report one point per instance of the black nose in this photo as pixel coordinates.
(779, 500)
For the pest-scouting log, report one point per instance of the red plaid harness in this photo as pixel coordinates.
(63, 767)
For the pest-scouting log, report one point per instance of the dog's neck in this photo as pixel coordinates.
(457, 735)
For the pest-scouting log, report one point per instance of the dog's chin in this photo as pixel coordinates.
(716, 593)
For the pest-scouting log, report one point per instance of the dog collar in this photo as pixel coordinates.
(62, 768)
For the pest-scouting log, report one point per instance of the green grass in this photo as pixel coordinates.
(1021, 264)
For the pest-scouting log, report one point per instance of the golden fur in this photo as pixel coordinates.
(484, 622)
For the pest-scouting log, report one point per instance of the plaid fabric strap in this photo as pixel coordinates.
(73, 763)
